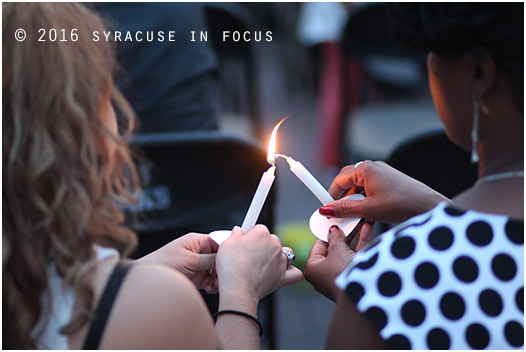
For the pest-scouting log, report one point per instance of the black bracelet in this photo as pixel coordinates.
(243, 314)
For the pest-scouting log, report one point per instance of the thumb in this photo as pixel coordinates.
(336, 239)
(236, 232)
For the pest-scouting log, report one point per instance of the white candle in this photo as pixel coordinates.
(306, 177)
(259, 199)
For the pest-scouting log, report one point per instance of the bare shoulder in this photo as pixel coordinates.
(505, 197)
(159, 308)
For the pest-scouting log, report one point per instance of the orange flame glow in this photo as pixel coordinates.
(272, 143)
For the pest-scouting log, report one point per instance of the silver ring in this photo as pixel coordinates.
(212, 273)
(358, 163)
(290, 257)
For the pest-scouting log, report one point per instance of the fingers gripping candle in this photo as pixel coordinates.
(264, 185)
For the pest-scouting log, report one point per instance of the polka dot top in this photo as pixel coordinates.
(446, 279)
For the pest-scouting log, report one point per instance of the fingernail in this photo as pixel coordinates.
(328, 210)
(208, 289)
(333, 228)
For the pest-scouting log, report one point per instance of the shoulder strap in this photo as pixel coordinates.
(105, 304)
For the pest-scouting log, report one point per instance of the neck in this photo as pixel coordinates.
(502, 152)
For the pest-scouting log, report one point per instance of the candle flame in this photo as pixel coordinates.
(271, 155)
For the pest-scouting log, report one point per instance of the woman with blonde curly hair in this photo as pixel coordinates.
(66, 166)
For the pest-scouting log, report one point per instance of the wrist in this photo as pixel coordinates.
(238, 300)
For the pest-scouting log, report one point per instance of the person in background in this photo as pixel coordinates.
(452, 275)
(66, 168)
(171, 82)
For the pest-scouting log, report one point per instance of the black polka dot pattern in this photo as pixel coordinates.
(441, 238)
(452, 306)
(369, 263)
(400, 342)
(377, 316)
(403, 247)
(490, 302)
(519, 299)
(515, 231)
(504, 267)
(413, 312)
(514, 333)
(426, 275)
(389, 284)
(477, 336)
(448, 279)
(438, 339)
(465, 269)
(454, 211)
(355, 291)
(480, 233)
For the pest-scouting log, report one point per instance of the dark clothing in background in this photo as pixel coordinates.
(172, 85)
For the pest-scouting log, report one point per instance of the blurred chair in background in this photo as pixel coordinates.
(195, 181)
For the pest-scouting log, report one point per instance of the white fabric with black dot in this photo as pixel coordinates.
(446, 279)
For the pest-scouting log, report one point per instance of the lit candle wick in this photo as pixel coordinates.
(264, 184)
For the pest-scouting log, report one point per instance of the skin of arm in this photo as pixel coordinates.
(159, 308)
(350, 330)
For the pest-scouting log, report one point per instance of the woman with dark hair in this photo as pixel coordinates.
(452, 276)
(66, 166)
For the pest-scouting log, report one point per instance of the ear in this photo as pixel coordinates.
(484, 75)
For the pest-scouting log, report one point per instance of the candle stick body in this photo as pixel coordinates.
(259, 199)
(310, 181)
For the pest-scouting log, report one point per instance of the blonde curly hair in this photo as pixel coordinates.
(61, 188)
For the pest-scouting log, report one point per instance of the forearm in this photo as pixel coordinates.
(428, 199)
(235, 331)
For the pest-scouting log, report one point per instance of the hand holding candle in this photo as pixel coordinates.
(265, 184)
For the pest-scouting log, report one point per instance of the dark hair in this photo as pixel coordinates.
(456, 29)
